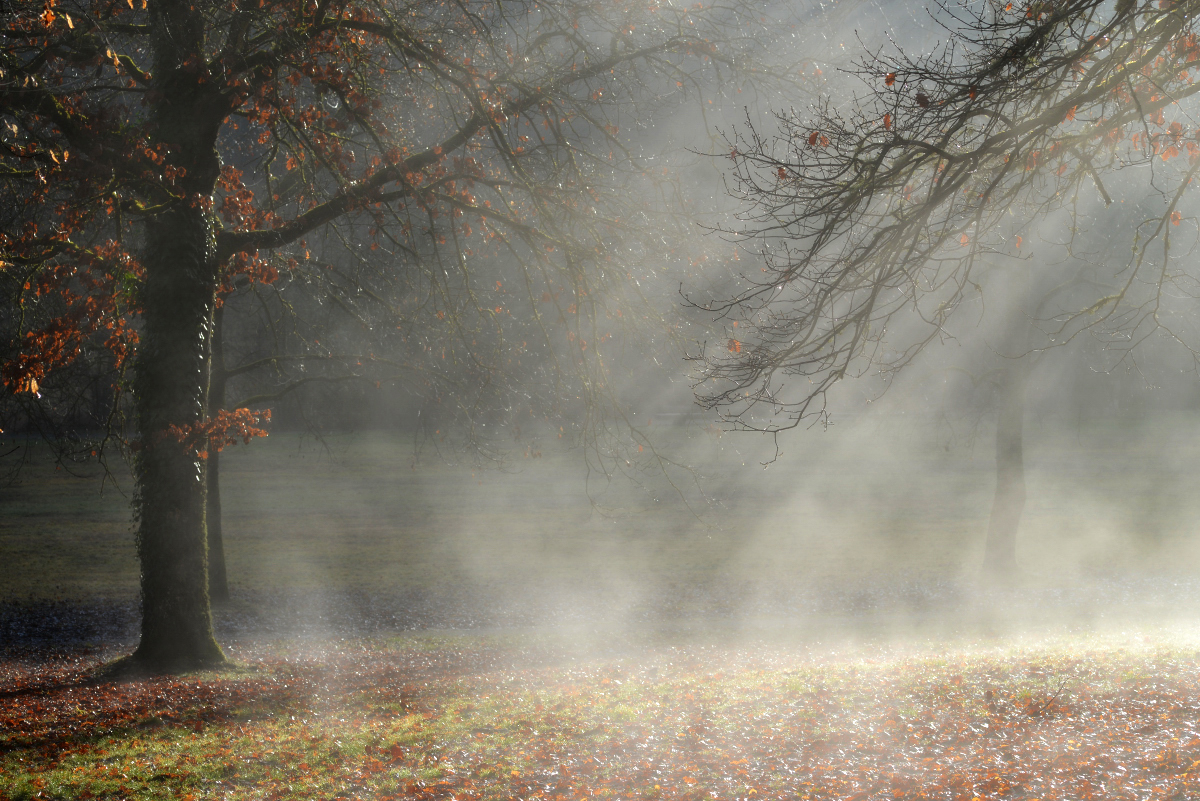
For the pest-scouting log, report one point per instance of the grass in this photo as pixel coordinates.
(471, 716)
(685, 688)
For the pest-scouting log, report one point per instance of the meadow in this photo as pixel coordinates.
(410, 627)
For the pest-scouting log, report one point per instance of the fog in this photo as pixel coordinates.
(643, 401)
(867, 519)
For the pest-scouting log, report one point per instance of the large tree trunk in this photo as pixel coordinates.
(172, 375)
(1000, 550)
(218, 581)
(171, 389)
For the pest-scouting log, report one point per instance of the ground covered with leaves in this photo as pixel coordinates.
(514, 715)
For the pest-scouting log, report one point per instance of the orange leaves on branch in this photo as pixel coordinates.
(1176, 217)
(734, 346)
(220, 431)
(255, 268)
(812, 138)
(1019, 240)
(817, 138)
(242, 213)
(887, 122)
(889, 79)
(230, 179)
(97, 319)
(964, 240)
(781, 173)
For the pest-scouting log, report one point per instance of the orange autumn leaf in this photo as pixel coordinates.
(889, 79)
(812, 138)
(887, 122)
(735, 346)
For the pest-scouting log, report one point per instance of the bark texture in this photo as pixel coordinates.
(218, 580)
(172, 376)
(172, 384)
(1000, 550)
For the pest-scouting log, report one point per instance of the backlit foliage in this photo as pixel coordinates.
(435, 190)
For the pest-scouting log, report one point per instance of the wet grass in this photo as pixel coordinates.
(474, 716)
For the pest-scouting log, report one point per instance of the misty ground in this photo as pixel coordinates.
(873, 526)
(407, 627)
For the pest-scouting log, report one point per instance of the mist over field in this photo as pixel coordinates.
(873, 516)
(641, 400)
(871, 528)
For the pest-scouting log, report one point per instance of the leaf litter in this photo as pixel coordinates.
(489, 717)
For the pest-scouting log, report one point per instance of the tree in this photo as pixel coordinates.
(877, 225)
(161, 156)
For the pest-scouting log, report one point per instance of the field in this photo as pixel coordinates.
(523, 716)
(409, 628)
(875, 502)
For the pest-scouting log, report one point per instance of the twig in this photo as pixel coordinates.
(1046, 705)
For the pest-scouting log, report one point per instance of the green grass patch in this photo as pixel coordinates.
(475, 718)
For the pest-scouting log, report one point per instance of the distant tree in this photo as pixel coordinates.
(161, 155)
(879, 223)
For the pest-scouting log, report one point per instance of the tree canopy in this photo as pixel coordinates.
(878, 221)
(430, 167)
